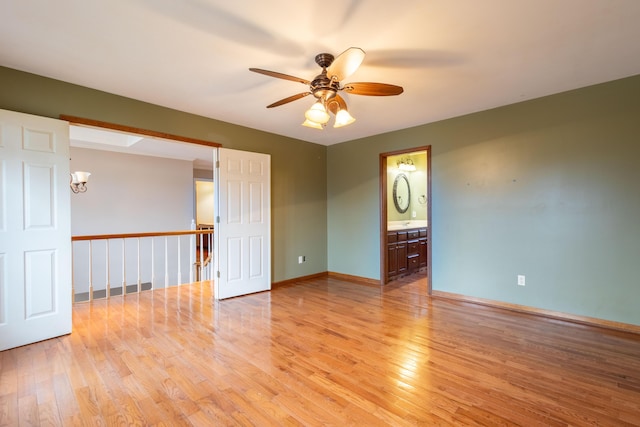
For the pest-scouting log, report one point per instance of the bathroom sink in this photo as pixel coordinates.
(399, 225)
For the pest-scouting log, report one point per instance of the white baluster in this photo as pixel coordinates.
(138, 248)
(108, 276)
(90, 270)
(124, 271)
(201, 265)
(153, 263)
(166, 263)
(192, 251)
(179, 263)
(73, 274)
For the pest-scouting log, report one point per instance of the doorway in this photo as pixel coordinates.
(241, 205)
(139, 184)
(204, 215)
(405, 212)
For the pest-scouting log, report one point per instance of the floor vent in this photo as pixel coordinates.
(102, 293)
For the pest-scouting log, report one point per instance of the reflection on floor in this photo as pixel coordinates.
(319, 352)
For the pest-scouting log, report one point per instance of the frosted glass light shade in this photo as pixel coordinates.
(317, 113)
(80, 177)
(311, 124)
(343, 118)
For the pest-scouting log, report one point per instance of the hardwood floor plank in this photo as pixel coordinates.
(28, 410)
(8, 409)
(66, 401)
(322, 351)
(48, 414)
(8, 374)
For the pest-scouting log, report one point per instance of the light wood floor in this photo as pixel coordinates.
(320, 352)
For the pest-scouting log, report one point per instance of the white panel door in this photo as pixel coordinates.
(243, 229)
(35, 229)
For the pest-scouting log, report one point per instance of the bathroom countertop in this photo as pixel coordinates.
(402, 225)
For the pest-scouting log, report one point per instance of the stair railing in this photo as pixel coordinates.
(139, 261)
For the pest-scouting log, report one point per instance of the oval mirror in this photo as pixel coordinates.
(401, 193)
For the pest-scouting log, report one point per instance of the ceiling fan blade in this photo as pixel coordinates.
(372, 89)
(280, 75)
(336, 103)
(346, 63)
(288, 99)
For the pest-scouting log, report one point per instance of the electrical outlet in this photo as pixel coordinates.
(521, 281)
(302, 259)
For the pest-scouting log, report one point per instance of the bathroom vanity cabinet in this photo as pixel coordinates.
(407, 252)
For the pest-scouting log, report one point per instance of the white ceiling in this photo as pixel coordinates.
(451, 56)
(101, 139)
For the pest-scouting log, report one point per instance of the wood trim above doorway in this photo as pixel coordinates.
(129, 129)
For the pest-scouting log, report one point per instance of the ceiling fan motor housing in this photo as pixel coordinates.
(324, 59)
(322, 86)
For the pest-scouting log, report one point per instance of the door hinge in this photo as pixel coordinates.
(218, 219)
(218, 164)
(218, 274)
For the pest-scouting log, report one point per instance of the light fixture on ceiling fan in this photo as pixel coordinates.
(326, 85)
(317, 115)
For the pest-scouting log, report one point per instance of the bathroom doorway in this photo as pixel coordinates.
(405, 207)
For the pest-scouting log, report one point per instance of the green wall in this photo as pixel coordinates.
(546, 188)
(298, 174)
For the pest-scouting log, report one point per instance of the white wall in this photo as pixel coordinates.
(204, 202)
(130, 194)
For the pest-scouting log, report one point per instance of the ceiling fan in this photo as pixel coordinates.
(326, 85)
